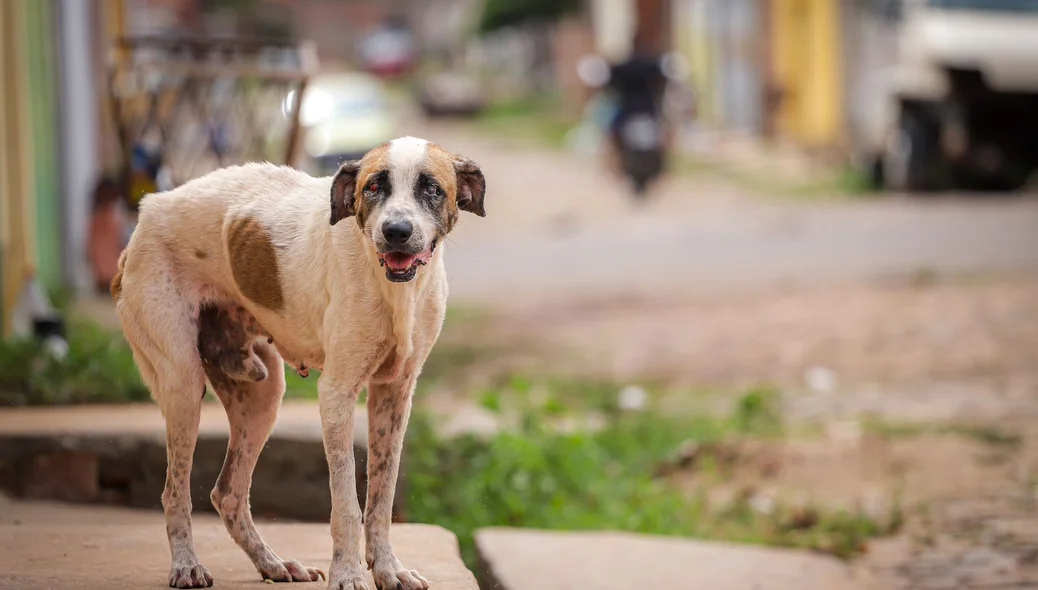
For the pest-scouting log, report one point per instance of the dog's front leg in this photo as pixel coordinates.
(389, 406)
(337, 394)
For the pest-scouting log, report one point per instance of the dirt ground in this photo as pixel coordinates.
(924, 392)
(912, 330)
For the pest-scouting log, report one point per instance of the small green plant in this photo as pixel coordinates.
(758, 412)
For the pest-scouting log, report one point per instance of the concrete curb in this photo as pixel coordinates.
(116, 455)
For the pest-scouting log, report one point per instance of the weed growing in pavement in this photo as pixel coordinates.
(603, 477)
(758, 412)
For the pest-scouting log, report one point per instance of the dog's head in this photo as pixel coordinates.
(406, 195)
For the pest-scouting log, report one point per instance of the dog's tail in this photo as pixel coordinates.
(116, 286)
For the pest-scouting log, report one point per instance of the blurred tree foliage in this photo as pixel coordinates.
(499, 14)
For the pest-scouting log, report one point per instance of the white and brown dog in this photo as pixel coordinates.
(233, 274)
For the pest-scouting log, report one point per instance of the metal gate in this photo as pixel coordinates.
(185, 106)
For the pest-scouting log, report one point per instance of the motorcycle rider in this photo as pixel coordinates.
(638, 85)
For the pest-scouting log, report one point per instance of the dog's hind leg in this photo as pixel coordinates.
(252, 408)
(160, 327)
(181, 435)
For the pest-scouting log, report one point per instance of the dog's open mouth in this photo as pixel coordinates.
(402, 267)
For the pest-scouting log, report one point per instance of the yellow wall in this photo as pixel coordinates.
(806, 64)
(690, 33)
(113, 26)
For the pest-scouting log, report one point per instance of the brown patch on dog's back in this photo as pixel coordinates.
(201, 255)
(254, 263)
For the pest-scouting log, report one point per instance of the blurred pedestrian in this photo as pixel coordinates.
(107, 235)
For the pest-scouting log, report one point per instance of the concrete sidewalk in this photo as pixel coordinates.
(517, 559)
(49, 546)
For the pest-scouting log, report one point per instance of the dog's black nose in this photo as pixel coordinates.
(397, 232)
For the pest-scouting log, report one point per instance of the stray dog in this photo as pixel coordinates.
(232, 275)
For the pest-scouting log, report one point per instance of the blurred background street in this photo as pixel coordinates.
(813, 325)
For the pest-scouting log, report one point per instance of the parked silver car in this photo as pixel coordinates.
(343, 116)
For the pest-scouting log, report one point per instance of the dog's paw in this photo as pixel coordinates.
(291, 571)
(347, 579)
(390, 574)
(189, 576)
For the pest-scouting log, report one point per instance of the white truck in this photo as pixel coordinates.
(959, 110)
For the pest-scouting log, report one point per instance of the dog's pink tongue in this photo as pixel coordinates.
(398, 261)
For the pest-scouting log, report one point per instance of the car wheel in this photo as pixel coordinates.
(912, 160)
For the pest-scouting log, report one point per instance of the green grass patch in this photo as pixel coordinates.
(985, 434)
(758, 412)
(533, 120)
(603, 478)
(297, 387)
(839, 182)
(98, 368)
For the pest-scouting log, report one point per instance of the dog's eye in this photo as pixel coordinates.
(431, 190)
(373, 187)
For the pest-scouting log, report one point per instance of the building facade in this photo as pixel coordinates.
(766, 67)
(30, 203)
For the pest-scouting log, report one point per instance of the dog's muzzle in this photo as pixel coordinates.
(401, 267)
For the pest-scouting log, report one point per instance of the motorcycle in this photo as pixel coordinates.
(642, 148)
(641, 151)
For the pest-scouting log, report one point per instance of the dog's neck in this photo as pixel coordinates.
(400, 300)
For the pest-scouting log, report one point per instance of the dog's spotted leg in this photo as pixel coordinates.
(181, 434)
(389, 407)
(337, 395)
(160, 328)
(252, 409)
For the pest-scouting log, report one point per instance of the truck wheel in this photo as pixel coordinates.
(912, 161)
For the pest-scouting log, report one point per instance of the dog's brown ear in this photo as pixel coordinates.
(344, 187)
(472, 186)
